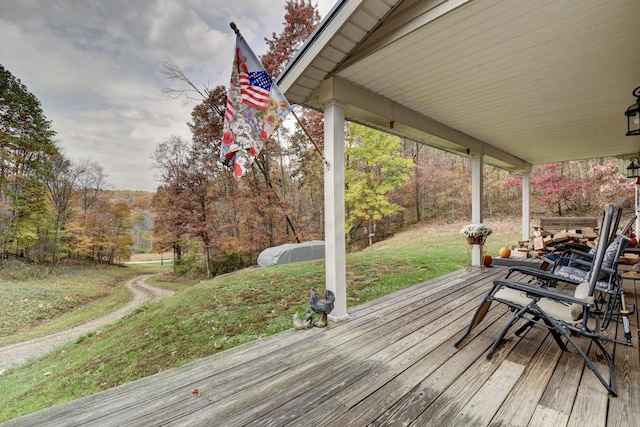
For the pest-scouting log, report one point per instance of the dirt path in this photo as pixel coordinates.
(19, 353)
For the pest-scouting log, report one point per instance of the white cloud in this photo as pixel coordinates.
(94, 66)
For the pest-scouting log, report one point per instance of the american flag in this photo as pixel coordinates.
(256, 88)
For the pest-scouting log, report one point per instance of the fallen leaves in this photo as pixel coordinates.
(197, 392)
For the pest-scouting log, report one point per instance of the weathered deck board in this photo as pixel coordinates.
(379, 347)
(392, 363)
(625, 410)
(384, 365)
(521, 403)
(454, 397)
(479, 410)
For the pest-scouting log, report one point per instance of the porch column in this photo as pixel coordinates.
(334, 212)
(476, 204)
(526, 207)
(636, 226)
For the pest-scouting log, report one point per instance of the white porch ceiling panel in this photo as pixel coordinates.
(523, 82)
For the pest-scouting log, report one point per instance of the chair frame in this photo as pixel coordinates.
(612, 305)
(534, 314)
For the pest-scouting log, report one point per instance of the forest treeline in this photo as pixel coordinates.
(54, 208)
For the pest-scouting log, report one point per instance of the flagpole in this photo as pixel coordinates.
(306, 132)
(310, 138)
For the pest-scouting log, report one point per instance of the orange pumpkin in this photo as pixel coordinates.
(504, 252)
(487, 260)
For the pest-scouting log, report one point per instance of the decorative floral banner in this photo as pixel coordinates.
(255, 108)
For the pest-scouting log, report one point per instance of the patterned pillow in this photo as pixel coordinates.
(610, 255)
(572, 273)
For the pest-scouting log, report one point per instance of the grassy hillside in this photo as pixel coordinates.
(218, 314)
(40, 299)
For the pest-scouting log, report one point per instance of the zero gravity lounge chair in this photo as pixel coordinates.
(575, 267)
(566, 316)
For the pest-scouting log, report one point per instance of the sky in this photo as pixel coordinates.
(94, 65)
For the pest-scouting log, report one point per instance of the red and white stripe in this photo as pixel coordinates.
(253, 95)
(230, 111)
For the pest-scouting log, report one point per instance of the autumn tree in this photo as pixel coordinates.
(563, 188)
(168, 231)
(412, 150)
(31, 213)
(118, 239)
(103, 233)
(91, 184)
(203, 175)
(374, 170)
(169, 158)
(300, 19)
(63, 184)
(50, 205)
(26, 145)
(184, 205)
(195, 195)
(296, 167)
(304, 168)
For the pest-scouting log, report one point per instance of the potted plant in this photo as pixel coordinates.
(475, 233)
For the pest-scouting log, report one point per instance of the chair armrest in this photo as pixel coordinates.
(569, 261)
(540, 274)
(607, 270)
(581, 253)
(535, 291)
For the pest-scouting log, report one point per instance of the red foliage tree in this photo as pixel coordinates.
(562, 192)
(300, 19)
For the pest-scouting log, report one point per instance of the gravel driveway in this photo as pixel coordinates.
(19, 353)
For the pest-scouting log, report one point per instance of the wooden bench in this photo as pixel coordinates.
(568, 223)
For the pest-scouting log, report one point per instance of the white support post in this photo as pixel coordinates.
(526, 206)
(476, 204)
(637, 209)
(335, 245)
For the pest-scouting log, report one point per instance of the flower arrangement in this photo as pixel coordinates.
(476, 233)
(475, 230)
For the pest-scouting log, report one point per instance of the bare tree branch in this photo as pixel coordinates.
(191, 92)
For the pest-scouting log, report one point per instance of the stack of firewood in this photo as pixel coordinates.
(545, 241)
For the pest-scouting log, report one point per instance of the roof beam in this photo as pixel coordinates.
(344, 92)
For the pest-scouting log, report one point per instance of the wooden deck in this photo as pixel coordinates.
(392, 363)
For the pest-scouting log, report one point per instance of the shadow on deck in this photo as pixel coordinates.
(392, 363)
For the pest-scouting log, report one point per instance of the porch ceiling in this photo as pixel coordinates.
(523, 82)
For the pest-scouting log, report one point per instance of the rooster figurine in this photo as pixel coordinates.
(321, 306)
